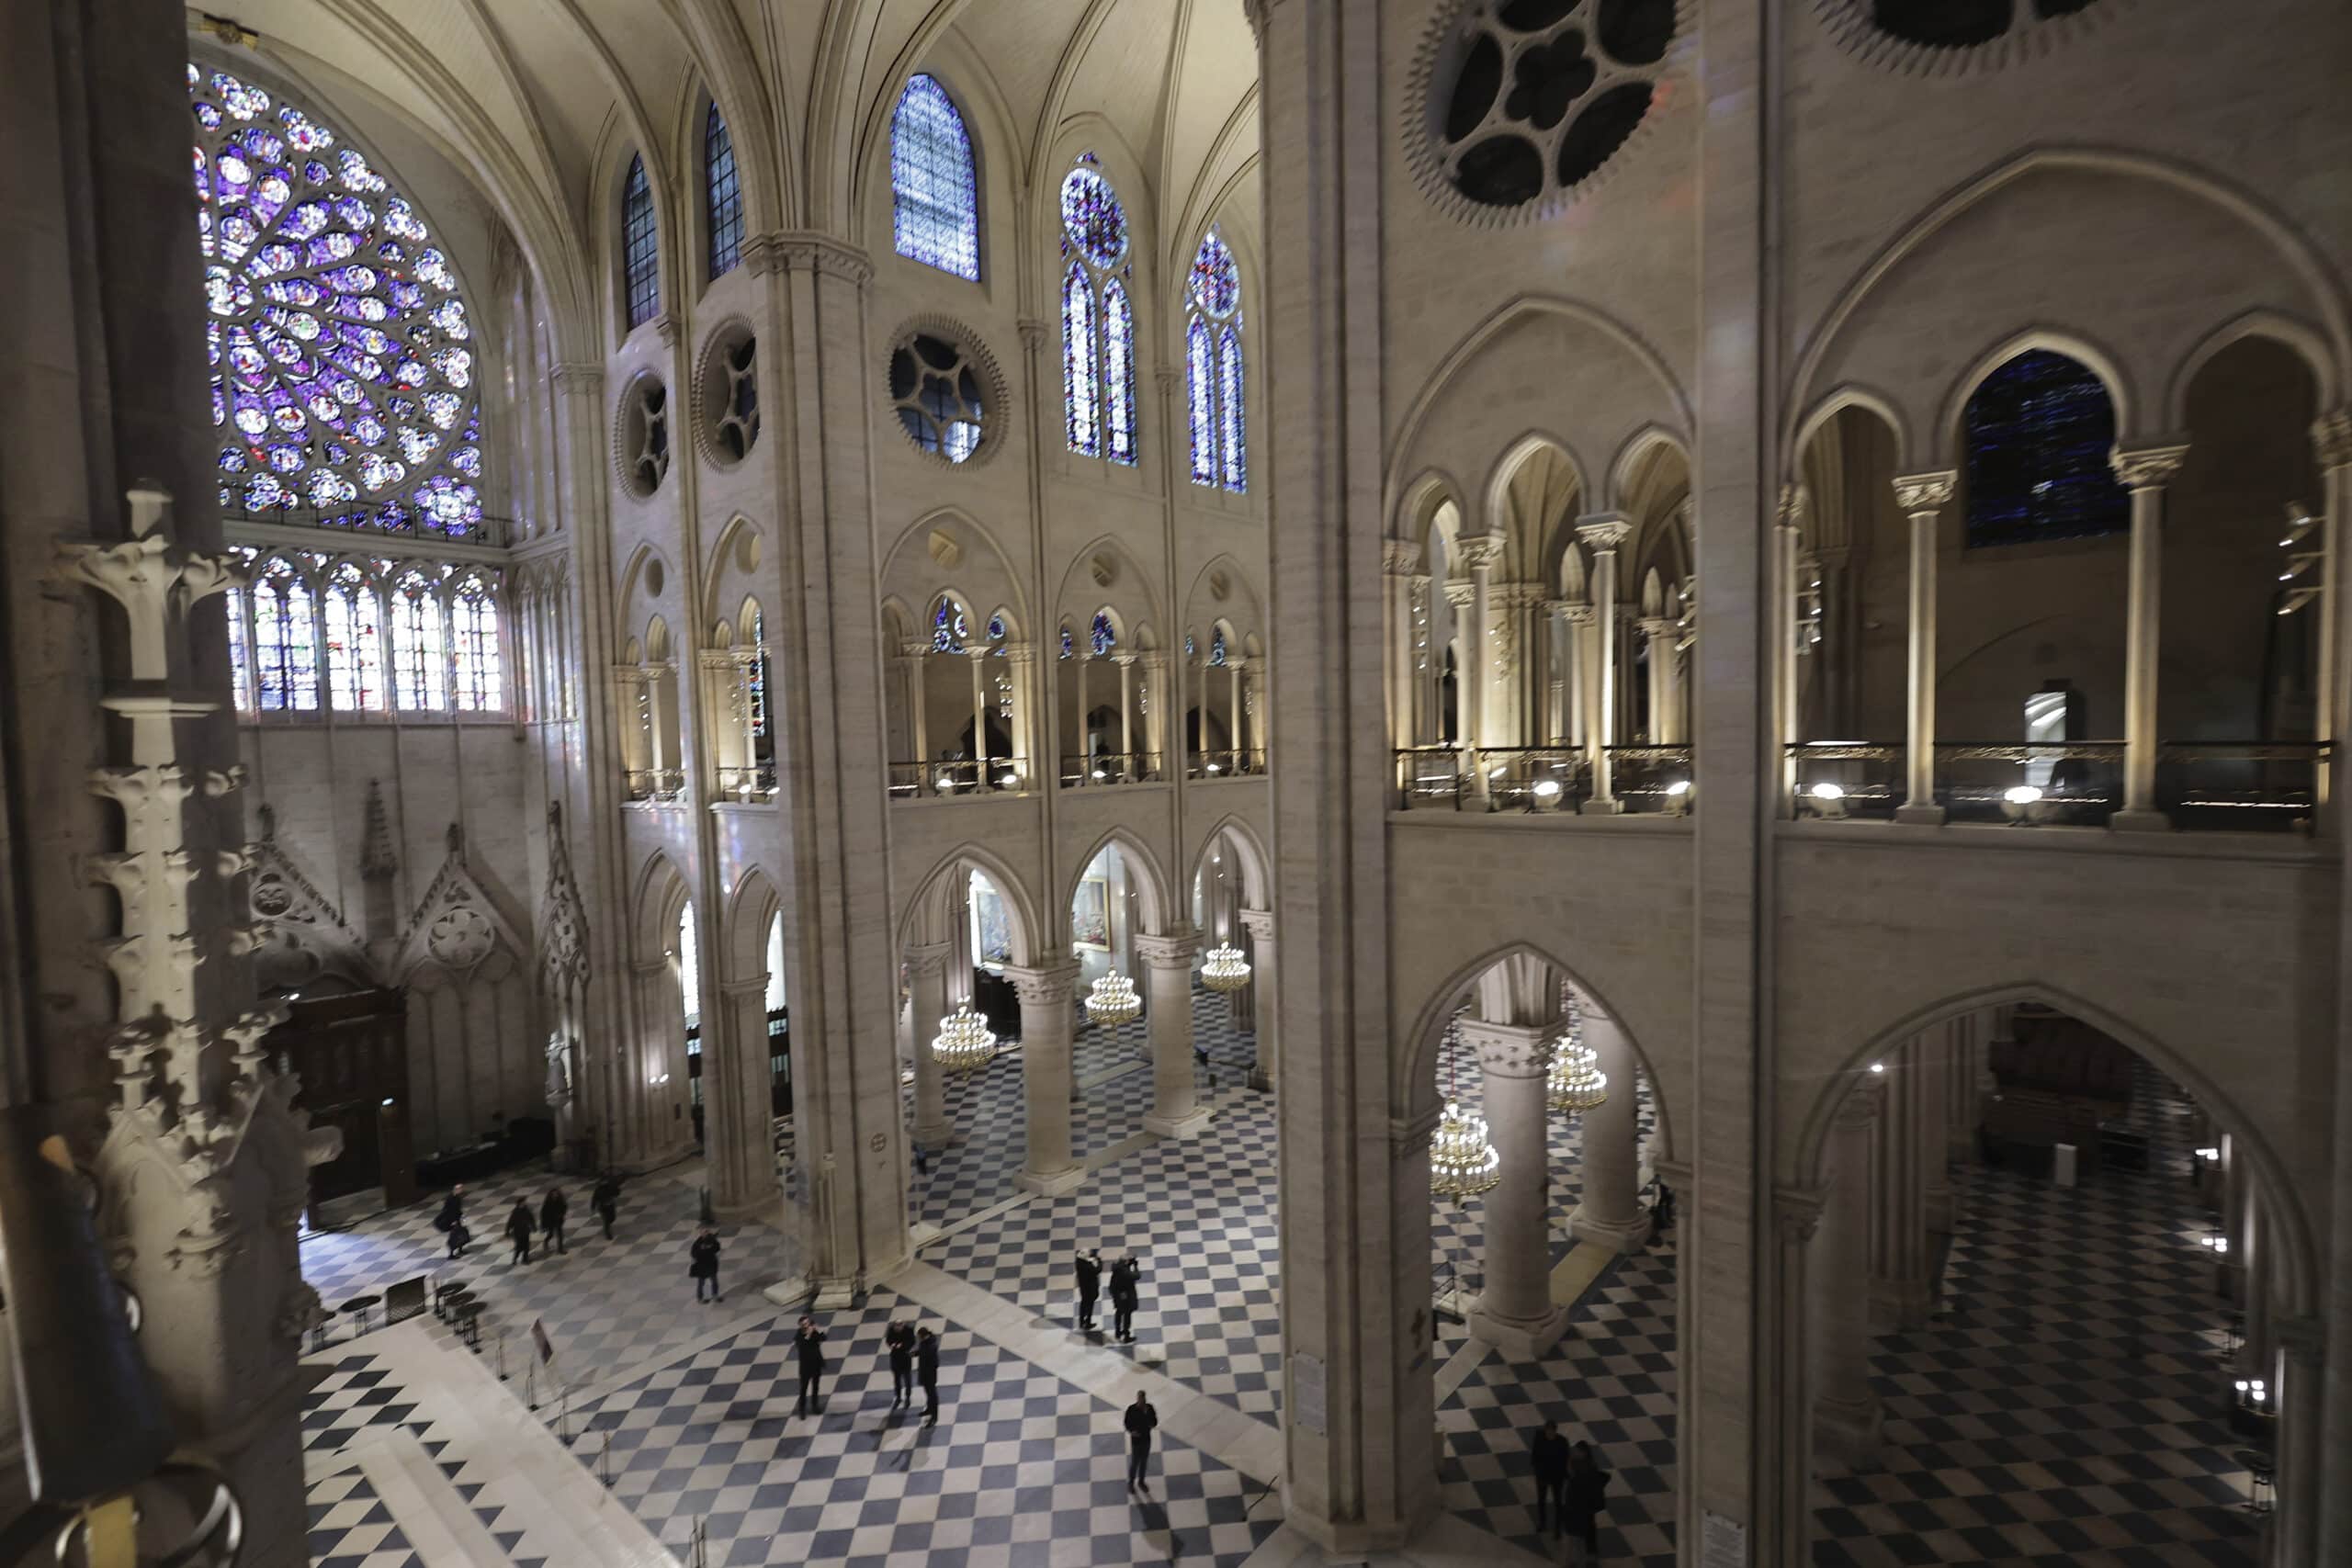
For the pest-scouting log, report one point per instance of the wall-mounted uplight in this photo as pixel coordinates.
(1546, 793)
(1678, 798)
(1878, 1067)
(1828, 800)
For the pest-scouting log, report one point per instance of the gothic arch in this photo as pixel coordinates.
(1837, 400)
(1947, 439)
(1515, 456)
(752, 907)
(661, 890)
(2271, 325)
(1141, 865)
(1257, 888)
(1025, 933)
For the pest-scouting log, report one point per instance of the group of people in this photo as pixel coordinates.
(1570, 1490)
(913, 1354)
(523, 1226)
(1126, 1280)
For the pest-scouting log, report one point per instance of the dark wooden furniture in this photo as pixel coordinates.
(351, 1053)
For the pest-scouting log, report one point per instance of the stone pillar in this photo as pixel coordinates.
(2143, 473)
(927, 987)
(1048, 993)
(1515, 1313)
(1558, 728)
(1658, 634)
(2302, 1404)
(1933, 1052)
(919, 695)
(1603, 534)
(1610, 1213)
(1845, 1409)
(1400, 559)
(1126, 663)
(1085, 738)
(2332, 447)
(1788, 539)
(1584, 692)
(1900, 1296)
(979, 718)
(1239, 728)
(1265, 1020)
(1474, 681)
(1923, 498)
(1021, 657)
(738, 1111)
(1176, 1110)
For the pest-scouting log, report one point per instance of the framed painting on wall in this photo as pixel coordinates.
(992, 935)
(1089, 915)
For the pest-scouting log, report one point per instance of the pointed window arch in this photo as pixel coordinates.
(2039, 428)
(1098, 318)
(240, 668)
(354, 642)
(722, 194)
(640, 246)
(934, 197)
(1213, 370)
(285, 652)
(420, 682)
(474, 620)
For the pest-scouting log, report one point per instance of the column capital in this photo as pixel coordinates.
(1123, 659)
(1925, 492)
(756, 985)
(2331, 438)
(1167, 376)
(1861, 1106)
(1045, 985)
(1399, 557)
(578, 380)
(1479, 552)
(1510, 1050)
(2146, 468)
(1796, 1211)
(926, 959)
(1795, 503)
(1602, 531)
(1258, 924)
(1175, 950)
(1656, 626)
(789, 250)
(1578, 615)
(1033, 330)
(979, 650)
(1458, 594)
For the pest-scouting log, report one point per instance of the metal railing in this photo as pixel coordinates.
(754, 784)
(2241, 785)
(493, 531)
(1847, 778)
(2201, 786)
(962, 775)
(1110, 768)
(1652, 780)
(2081, 782)
(1493, 778)
(1230, 762)
(663, 784)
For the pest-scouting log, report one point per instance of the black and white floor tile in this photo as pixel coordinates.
(351, 1527)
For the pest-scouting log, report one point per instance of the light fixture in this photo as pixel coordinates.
(1099, 773)
(1546, 789)
(1211, 768)
(1828, 800)
(1462, 1164)
(1878, 1067)
(1678, 798)
(2210, 1155)
(1573, 1081)
(1111, 1000)
(964, 1043)
(2023, 804)
(1224, 969)
(1010, 781)
(944, 784)
(2217, 1245)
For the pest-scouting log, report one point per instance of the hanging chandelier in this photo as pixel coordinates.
(1576, 1081)
(1462, 1164)
(1112, 1001)
(1224, 969)
(964, 1043)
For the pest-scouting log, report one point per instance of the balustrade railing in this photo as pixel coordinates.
(1653, 780)
(1493, 778)
(962, 775)
(1227, 764)
(2073, 783)
(2241, 785)
(1847, 778)
(1110, 768)
(658, 785)
(754, 784)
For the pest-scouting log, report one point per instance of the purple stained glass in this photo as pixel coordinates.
(474, 620)
(1092, 218)
(289, 210)
(1081, 369)
(419, 671)
(1230, 424)
(1200, 401)
(934, 197)
(1105, 638)
(1216, 281)
(286, 653)
(1118, 373)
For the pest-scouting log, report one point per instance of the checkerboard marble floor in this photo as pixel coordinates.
(2067, 1402)
(351, 1527)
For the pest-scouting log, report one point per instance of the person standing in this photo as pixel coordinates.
(1588, 1488)
(519, 1228)
(552, 1210)
(900, 1340)
(1090, 1286)
(810, 1343)
(1550, 1462)
(927, 1368)
(606, 1202)
(451, 1219)
(1141, 1419)
(704, 1264)
(1124, 1274)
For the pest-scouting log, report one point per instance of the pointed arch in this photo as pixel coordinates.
(1250, 854)
(1157, 912)
(1023, 932)
(752, 906)
(934, 189)
(640, 246)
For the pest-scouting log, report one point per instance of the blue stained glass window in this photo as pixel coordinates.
(641, 260)
(419, 672)
(1069, 648)
(1213, 377)
(1216, 646)
(2039, 430)
(948, 628)
(474, 620)
(1105, 638)
(1098, 318)
(759, 672)
(354, 647)
(285, 652)
(996, 629)
(934, 199)
(1229, 410)
(341, 349)
(724, 191)
(241, 674)
(1200, 401)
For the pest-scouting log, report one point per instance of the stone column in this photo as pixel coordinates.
(1561, 670)
(1265, 1020)
(1400, 559)
(1923, 498)
(1474, 680)
(927, 987)
(1603, 534)
(1660, 634)
(979, 718)
(738, 1110)
(1932, 1054)
(1176, 1110)
(918, 661)
(1898, 1218)
(1845, 1409)
(1611, 1215)
(1085, 762)
(1515, 1311)
(1126, 663)
(2332, 446)
(1787, 538)
(1584, 693)
(2302, 1404)
(1239, 728)
(2143, 473)
(1021, 655)
(1047, 994)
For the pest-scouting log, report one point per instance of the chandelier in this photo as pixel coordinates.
(1576, 1081)
(1112, 1000)
(965, 1043)
(1462, 1164)
(1225, 970)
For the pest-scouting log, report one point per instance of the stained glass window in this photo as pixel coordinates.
(1098, 318)
(1213, 374)
(355, 643)
(724, 193)
(996, 629)
(934, 199)
(1067, 646)
(759, 693)
(341, 348)
(241, 673)
(286, 653)
(690, 973)
(1216, 646)
(2039, 429)
(419, 684)
(948, 629)
(473, 624)
(1106, 639)
(641, 260)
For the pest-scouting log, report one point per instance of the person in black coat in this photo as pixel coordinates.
(900, 1340)
(810, 1344)
(605, 1200)
(1124, 1291)
(1141, 1419)
(1588, 1487)
(927, 1368)
(552, 1210)
(519, 1229)
(451, 1219)
(1090, 1285)
(1550, 1462)
(705, 1267)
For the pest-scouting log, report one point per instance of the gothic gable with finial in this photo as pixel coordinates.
(563, 918)
(457, 926)
(303, 935)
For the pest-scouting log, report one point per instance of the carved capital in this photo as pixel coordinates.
(1796, 1211)
(1603, 532)
(1046, 986)
(926, 960)
(1916, 493)
(1795, 504)
(1479, 552)
(1167, 376)
(2148, 468)
(1399, 557)
(1169, 951)
(1033, 331)
(2331, 438)
(1580, 614)
(1410, 1135)
(578, 380)
(1260, 924)
(1510, 1050)
(1861, 1106)
(1658, 628)
(805, 250)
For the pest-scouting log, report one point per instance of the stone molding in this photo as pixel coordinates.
(806, 249)
(1045, 985)
(1411, 1134)
(576, 380)
(1796, 1211)
(1862, 1103)
(1603, 532)
(2147, 468)
(927, 960)
(1916, 493)
(1510, 1050)
(1399, 557)
(1260, 924)
(1169, 951)
(1479, 552)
